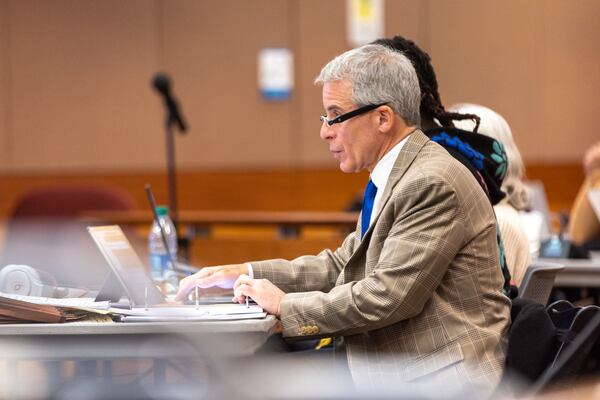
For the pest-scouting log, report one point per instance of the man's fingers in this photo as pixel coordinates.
(242, 279)
(185, 287)
(242, 291)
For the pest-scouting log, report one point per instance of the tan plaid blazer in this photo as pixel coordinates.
(421, 292)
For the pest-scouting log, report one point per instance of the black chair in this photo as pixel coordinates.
(538, 281)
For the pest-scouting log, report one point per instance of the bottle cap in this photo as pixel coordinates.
(162, 211)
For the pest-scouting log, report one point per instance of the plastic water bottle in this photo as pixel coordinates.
(161, 269)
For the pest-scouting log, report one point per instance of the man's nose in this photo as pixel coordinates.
(326, 131)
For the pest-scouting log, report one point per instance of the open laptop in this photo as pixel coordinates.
(129, 278)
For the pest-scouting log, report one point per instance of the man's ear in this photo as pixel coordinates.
(385, 118)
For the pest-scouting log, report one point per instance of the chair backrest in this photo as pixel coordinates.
(69, 200)
(46, 232)
(538, 281)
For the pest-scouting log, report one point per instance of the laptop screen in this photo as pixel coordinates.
(126, 265)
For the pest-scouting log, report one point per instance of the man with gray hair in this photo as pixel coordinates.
(415, 290)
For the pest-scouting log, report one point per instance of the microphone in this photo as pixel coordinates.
(162, 84)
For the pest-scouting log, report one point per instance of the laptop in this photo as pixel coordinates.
(130, 280)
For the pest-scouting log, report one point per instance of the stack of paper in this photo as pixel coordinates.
(25, 309)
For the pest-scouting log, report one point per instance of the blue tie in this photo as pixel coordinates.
(367, 207)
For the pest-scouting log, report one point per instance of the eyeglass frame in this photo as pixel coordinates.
(350, 114)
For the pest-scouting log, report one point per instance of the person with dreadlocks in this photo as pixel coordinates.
(517, 197)
(484, 156)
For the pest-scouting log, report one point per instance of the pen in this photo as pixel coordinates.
(247, 305)
(196, 289)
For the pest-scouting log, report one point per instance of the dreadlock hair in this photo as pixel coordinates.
(431, 103)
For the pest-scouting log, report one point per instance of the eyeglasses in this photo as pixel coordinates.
(351, 114)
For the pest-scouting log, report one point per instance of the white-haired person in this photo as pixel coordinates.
(514, 236)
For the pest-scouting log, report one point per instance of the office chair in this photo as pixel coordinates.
(538, 281)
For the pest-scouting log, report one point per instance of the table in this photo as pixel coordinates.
(577, 272)
(164, 344)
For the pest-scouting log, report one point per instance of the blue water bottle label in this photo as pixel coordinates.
(158, 264)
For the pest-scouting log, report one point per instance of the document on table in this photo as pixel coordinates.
(75, 302)
(216, 312)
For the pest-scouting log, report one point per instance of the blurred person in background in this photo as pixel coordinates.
(584, 224)
(516, 243)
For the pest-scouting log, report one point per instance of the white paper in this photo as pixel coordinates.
(191, 310)
(78, 302)
(594, 197)
(203, 317)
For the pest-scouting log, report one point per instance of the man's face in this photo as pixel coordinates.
(355, 143)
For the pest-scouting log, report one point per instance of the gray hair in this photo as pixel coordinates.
(378, 75)
(495, 126)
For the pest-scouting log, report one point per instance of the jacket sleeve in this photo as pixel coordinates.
(307, 273)
(426, 231)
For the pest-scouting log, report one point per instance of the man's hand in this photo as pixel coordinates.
(223, 276)
(262, 291)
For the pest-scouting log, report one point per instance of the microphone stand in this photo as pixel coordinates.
(171, 170)
(183, 243)
(162, 84)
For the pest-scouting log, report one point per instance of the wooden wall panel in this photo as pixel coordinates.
(569, 68)
(76, 96)
(319, 36)
(488, 53)
(211, 47)
(80, 74)
(533, 62)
